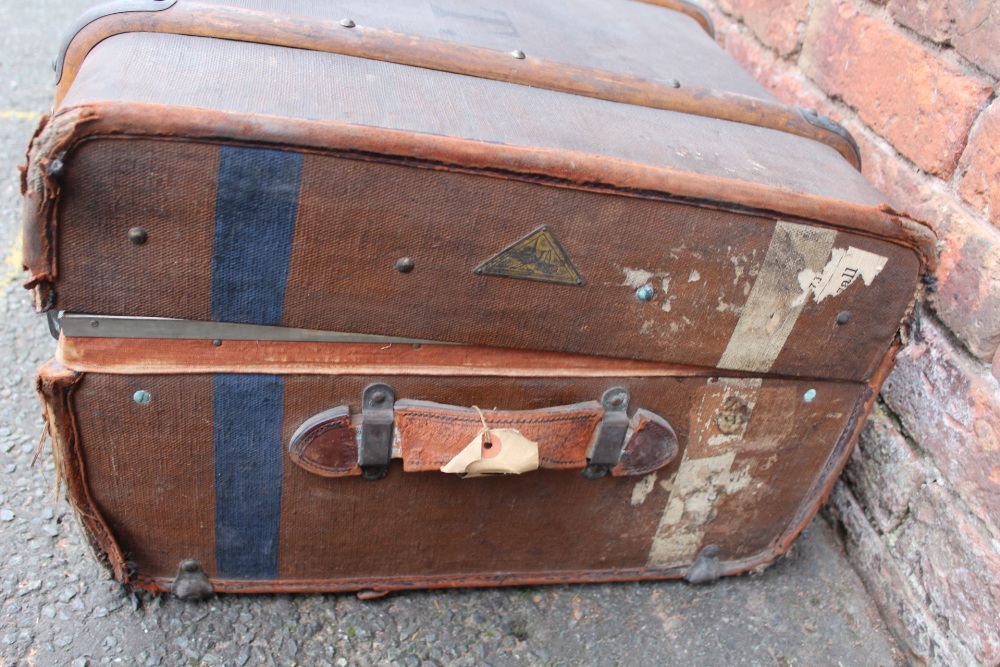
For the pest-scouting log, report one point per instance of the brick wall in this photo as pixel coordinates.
(914, 81)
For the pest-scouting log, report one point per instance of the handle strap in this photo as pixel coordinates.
(427, 435)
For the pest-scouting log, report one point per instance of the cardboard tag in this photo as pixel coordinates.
(501, 451)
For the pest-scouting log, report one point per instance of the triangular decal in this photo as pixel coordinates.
(537, 256)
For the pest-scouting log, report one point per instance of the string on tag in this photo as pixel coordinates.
(485, 433)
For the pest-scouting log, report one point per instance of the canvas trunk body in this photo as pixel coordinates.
(290, 250)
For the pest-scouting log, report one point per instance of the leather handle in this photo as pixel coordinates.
(428, 435)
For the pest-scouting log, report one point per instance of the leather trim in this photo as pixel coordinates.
(428, 435)
(557, 168)
(55, 386)
(232, 23)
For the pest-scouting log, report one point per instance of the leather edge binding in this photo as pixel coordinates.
(55, 385)
(834, 466)
(198, 20)
(590, 172)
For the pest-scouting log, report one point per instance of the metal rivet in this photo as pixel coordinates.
(55, 167)
(673, 83)
(404, 264)
(142, 397)
(95, 323)
(518, 54)
(416, 346)
(378, 397)
(216, 342)
(844, 317)
(617, 400)
(811, 112)
(645, 293)
(809, 396)
(138, 235)
(347, 23)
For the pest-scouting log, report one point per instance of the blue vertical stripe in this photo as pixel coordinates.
(255, 207)
(248, 472)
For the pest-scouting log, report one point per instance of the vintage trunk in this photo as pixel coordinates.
(287, 253)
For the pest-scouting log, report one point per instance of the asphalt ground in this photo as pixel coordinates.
(58, 608)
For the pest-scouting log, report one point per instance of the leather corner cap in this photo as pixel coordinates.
(428, 435)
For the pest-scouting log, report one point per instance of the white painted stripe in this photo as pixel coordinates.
(705, 476)
(775, 300)
(14, 114)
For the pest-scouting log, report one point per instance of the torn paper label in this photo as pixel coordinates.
(845, 266)
(504, 452)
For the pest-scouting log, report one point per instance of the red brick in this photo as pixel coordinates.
(883, 472)
(953, 414)
(901, 604)
(980, 185)
(921, 104)
(968, 294)
(971, 26)
(931, 18)
(906, 187)
(958, 567)
(778, 23)
(783, 81)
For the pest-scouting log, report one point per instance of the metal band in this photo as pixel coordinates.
(114, 326)
(516, 67)
(99, 12)
(377, 428)
(610, 438)
(692, 9)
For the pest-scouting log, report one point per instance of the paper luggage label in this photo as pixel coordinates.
(500, 451)
(537, 256)
(845, 266)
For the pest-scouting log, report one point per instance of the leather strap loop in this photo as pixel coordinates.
(427, 435)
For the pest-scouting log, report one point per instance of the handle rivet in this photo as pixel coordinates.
(645, 293)
(378, 397)
(142, 397)
(138, 235)
(347, 23)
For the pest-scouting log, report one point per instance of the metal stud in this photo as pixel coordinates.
(217, 342)
(844, 317)
(404, 264)
(55, 167)
(347, 23)
(138, 235)
(517, 54)
(809, 396)
(673, 83)
(142, 397)
(645, 293)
